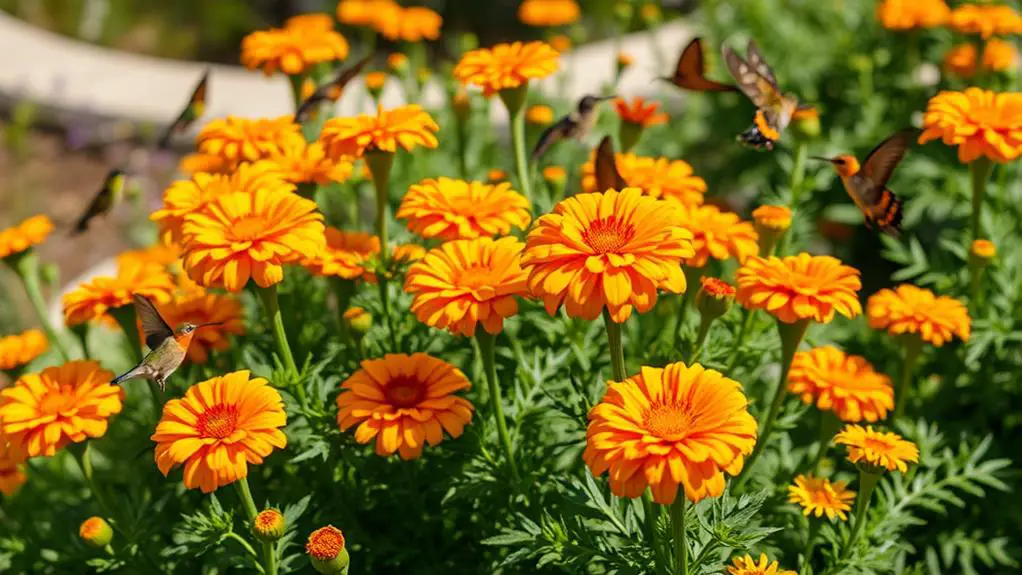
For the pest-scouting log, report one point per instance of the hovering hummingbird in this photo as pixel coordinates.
(774, 109)
(867, 185)
(605, 168)
(109, 195)
(193, 111)
(332, 90)
(690, 72)
(167, 348)
(575, 125)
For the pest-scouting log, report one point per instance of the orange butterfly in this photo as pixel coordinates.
(690, 73)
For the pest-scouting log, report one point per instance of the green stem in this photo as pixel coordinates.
(269, 551)
(272, 305)
(649, 514)
(980, 171)
(617, 351)
(867, 482)
(514, 101)
(704, 329)
(487, 352)
(244, 544)
(829, 424)
(462, 134)
(343, 290)
(798, 173)
(913, 347)
(380, 164)
(740, 339)
(26, 265)
(807, 551)
(678, 531)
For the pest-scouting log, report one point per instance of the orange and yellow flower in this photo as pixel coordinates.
(983, 249)
(979, 122)
(237, 140)
(960, 60)
(411, 24)
(239, 236)
(818, 496)
(404, 401)
(20, 349)
(468, 283)
(665, 428)
(749, 566)
(774, 219)
(496, 175)
(909, 14)
(218, 428)
(206, 308)
(12, 472)
(548, 13)
(198, 162)
(325, 544)
(539, 115)
(302, 162)
(560, 42)
(407, 126)
(800, 287)
(608, 250)
(717, 234)
(30, 232)
(455, 209)
(294, 49)
(345, 255)
(362, 12)
(877, 450)
(375, 81)
(92, 299)
(986, 20)
(407, 253)
(844, 384)
(911, 309)
(639, 112)
(555, 175)
(315, 21)
(657, 177)
(1000, 55)
(160, 252)
(42, 412)
(506, 66)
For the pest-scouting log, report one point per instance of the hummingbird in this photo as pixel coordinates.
(690, 72)
(774, 109)
(167, 348)
(605, 168)
(867, 184)
(331, 90)
(193, 111)
(109, 195)
(575, 125)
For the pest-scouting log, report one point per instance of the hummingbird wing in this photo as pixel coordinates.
(690, 73)
(881, 162)
(191, 112)
(104, 200)
(605, 168)
(552, 135)
(332, 90)
(155, 328)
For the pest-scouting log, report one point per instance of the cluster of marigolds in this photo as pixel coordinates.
(245, 218)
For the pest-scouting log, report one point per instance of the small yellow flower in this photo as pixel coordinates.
(375, 80)
(539, 115)
(28, 233)
(496, 175)
(960, 60)
(20, 349)
(549, 13)
(877, 450)
(1000, 55)
(397, 62)
(269, 525)
(555, 175)
(773, 218)
(983, 250)
(747, 566)
(818, 496)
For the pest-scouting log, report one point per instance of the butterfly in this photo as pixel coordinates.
(331, 90)
(605, 168)
(690, 72)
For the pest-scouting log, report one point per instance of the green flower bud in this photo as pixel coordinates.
(269, 525)
(358, 320)
(714, 298)
(96, 532)
(326, 551)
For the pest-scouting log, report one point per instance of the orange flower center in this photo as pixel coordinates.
(667, 420)
(325, 543)
(268, 519)
(475, 277)
(876, 445)
(606, 235)
(405, 392)
(219, 421)
(91, 528)
(58, 401)
(250, 228)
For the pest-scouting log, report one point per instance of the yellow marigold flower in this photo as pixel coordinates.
(455, 209)
(818, 496)
(539, 115)
(799, 287)
(548, 13)
(375, 81)
(625, 60)
(748, 566)
(239, 140)
(407, 253)
(560, 42)
(12, 472)
(358, 320)
(315, 22)
(269, 525)
(200, 308)
(326, 551)
(28, 233)
(910, 309)
(986, 20)
(555, 175)
(639, 112)
(292, 50)
(361, 12)
(844, 384)
(306, 163)
(984, 249)
(404, 401)
(960, 60)
(465, 283)
(42, 412)
(412, 24)
(92, 299)
(909, 14)
(979, 122)
(185, 197)
(198, 162)
(608, 250)
(717, 234)
(238, 236)
(1000, 55)
(774, 218)
(96, 532)
(495, 175)
(665, 428)
(407, 126)
(20, 349)
(506, 66)
(345, 254)
(656, 177)
(877, 450)
(397, 62)
(162, 253)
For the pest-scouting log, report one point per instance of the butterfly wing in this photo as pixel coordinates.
(881, 162)
(758, 62)
(156, 330)
(690, 73)
(332, 90)
(760, 89)
(199, 95)
(605, 168)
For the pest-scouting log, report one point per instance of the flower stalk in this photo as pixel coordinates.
(269, 559)
(514, 101)
(272, 305)
(678, 533)
(380, 164)
(487, 352)
(913, 347)
(617, 352)
(807, 552)
(798, 174)
(979, 170)
(867, 482)
(26, 265)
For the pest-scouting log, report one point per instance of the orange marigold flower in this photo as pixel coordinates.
(12, 473)
(506, 66)
(412, 24)
(345, 254)
(42, 412)
(986, 20)
(465, 283)
(844, 384)
(877, 450)
(219, 427)
(639, 112)
(375, 81)
(979, 122)
(20, 349)
(403, 401)
(162, 253)
(198, 162)
(407, 126)
(548, 13)
(239, 140)
(326, 551)
(818, 496)
(665, 428)
(407, 253)
(717, 234)
(96, 532)
(560, 42)
(911, 309)
(28, 233)
(800, 287)
(606, 250)
(315, 22)
(539, 115)
(748, 566)
(292, 50)
(657, 177)
(495, 175)
(361, 12)
(1000, 55)
(773, 218)
(92, 299)
(185, 197)
(397, 62)
(555, 175)
(306, 163)
(909, 14)
(455, 209)
(716, 287)
(960, 60)
(238, 236)
(983, 249)
(625, 60)
(200, 308)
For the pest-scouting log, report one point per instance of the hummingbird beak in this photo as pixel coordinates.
(605, 98)
(211, 324)
(820, 158)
